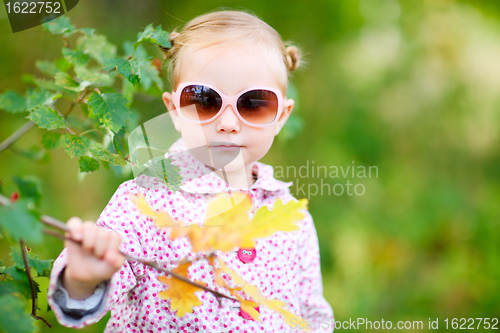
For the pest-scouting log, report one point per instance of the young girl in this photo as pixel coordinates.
(229, 73)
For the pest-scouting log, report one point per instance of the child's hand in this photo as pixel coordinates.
(94, 261)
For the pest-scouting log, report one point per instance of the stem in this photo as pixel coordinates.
(16, 135)
(130, 258)
(89, 130)
(32, 286)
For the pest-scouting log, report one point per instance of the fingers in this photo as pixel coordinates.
(74, 232)
(89, 236)
(101, 242)
(113, 255)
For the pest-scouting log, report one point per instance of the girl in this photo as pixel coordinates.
(229, 72)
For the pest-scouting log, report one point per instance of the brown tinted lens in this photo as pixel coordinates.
(258, 106)
(199, 102)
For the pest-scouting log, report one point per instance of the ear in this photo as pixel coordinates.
(287, 110)
(167, 100)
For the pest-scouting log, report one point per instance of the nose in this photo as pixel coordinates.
(228, 121)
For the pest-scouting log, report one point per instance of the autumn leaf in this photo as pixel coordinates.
(161, 219)
(223, 230)
(266, 222)
(181, 294)
(246, 305)
(254, 293)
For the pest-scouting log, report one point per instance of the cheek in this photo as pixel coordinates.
(193, 134)
(262, 141)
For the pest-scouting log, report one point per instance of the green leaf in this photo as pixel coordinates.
(42, 266)
(46, 67)
(99, 152)
(94, 76)
(12, 102)
(155, 36)
(64, 80)
(41, 97)
(46, 117)
(60, 25)
(36, 154)
(125, 68)
(119, 142)
(128, 50)
(75, 57)
(150, 74)
(51, 140)
(75, 145)
(19, 281)
(29, 187)
(87, 31)
(20, 223)
(63, 64)
(13, 316)
(97, 46)
(88, 164)
(163, 170)
(111, 108)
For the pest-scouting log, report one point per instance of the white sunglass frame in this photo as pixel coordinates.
(227, 100)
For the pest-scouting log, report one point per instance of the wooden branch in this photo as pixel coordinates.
(55, 223)
(32, 286)
(16, 135)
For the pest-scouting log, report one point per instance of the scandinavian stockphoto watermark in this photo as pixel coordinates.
(327, 180)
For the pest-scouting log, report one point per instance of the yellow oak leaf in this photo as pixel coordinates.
(230, 226)
(181, 294)
(254, 293)
(223, 231)
(162, 219)
(266, 222)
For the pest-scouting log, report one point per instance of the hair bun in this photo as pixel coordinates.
(173, 35)
(292, 57)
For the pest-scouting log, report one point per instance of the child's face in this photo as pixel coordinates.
(230, 71)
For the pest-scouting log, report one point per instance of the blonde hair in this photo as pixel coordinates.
(231, 28)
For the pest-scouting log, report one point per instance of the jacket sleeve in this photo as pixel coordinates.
(121, 217)
(314, 307)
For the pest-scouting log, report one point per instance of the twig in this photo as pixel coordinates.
(32, 285)
(144, 262)
(16, 135)
(53, 222)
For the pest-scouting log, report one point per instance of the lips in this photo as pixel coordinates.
(226, 145)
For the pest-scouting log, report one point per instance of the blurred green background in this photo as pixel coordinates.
(411, 87)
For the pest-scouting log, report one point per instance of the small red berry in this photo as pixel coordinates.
(14, 196)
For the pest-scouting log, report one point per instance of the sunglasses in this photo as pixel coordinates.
(202, 103)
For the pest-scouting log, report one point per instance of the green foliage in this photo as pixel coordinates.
(111, 109)
(47, 117)
(124, 67)
(88, 164)
(42, 267)
(12, 102)
(29, 187)
(99, 152)
(60, 25)
(20, 222)
(13, 318)
(51, 140)
(153, 35)
(165, 171)
(75, 145)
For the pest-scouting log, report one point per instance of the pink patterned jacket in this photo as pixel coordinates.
(286, 268)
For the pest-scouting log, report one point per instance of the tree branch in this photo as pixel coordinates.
(16, 135)
(53, 222)
(32, 286)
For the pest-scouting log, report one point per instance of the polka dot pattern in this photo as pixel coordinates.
(286, 267)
